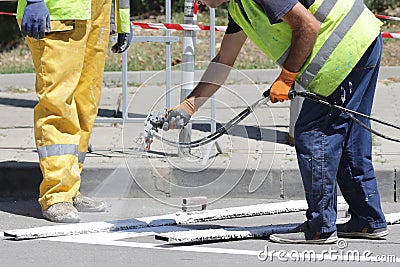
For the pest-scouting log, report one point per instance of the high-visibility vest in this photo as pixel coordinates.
(81, 10)
(348, 28)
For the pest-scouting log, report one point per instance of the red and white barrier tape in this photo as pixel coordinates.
(8, 13)
(195, 10)
(391, 35)
(174, 26)
(387, 17)
(189, 27)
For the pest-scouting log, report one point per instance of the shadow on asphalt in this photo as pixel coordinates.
(26, 103)
(24, 207)
(19, 188)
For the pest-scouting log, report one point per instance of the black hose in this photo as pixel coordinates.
(350, 113)
(292, 94)
(218, 133)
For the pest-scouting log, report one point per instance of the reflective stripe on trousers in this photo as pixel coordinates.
(69, 71)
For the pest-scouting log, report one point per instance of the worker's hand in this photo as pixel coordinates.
(36, 19)
(178, 116)
(281, 87)
(123, 42)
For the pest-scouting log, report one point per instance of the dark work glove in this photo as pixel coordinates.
(123, 42)
(36, 19)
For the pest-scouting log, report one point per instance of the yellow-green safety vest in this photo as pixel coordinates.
(81, 10)
(348, 28)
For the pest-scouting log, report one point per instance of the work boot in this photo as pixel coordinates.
(63, 212)
(353, 229)
(303, 235)
(86, 204)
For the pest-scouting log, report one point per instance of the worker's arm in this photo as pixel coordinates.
(214, 76)
(305, 28)
(219, 68)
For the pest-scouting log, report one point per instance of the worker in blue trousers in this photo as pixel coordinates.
(331, 48)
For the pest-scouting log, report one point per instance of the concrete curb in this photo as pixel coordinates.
(22, 179)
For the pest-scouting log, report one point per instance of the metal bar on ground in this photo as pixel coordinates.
(164, 220)
(194, 202)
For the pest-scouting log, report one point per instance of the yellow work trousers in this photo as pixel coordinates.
(69, 65)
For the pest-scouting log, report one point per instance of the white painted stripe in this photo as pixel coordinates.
(169, 219)
(131, 233)
(392, 218)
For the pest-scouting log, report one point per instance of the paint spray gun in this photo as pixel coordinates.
(153, 122)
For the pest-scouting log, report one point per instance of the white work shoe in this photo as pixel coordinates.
(63, 212)
(86, 204)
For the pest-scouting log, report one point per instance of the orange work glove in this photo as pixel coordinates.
(280, 88)
(178, 116)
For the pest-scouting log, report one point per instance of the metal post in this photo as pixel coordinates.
(124, 86)
(213, 108)
(188, 57)
(168, 56)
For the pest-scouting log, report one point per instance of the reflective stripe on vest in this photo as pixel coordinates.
(63, 9)
(57, 150)
(347, 30)
(330, 44)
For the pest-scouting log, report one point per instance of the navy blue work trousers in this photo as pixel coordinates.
(333, 150)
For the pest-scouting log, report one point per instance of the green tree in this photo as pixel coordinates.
(381, 5)
(10, 35)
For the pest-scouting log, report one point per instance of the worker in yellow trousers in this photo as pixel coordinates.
(68, 42)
